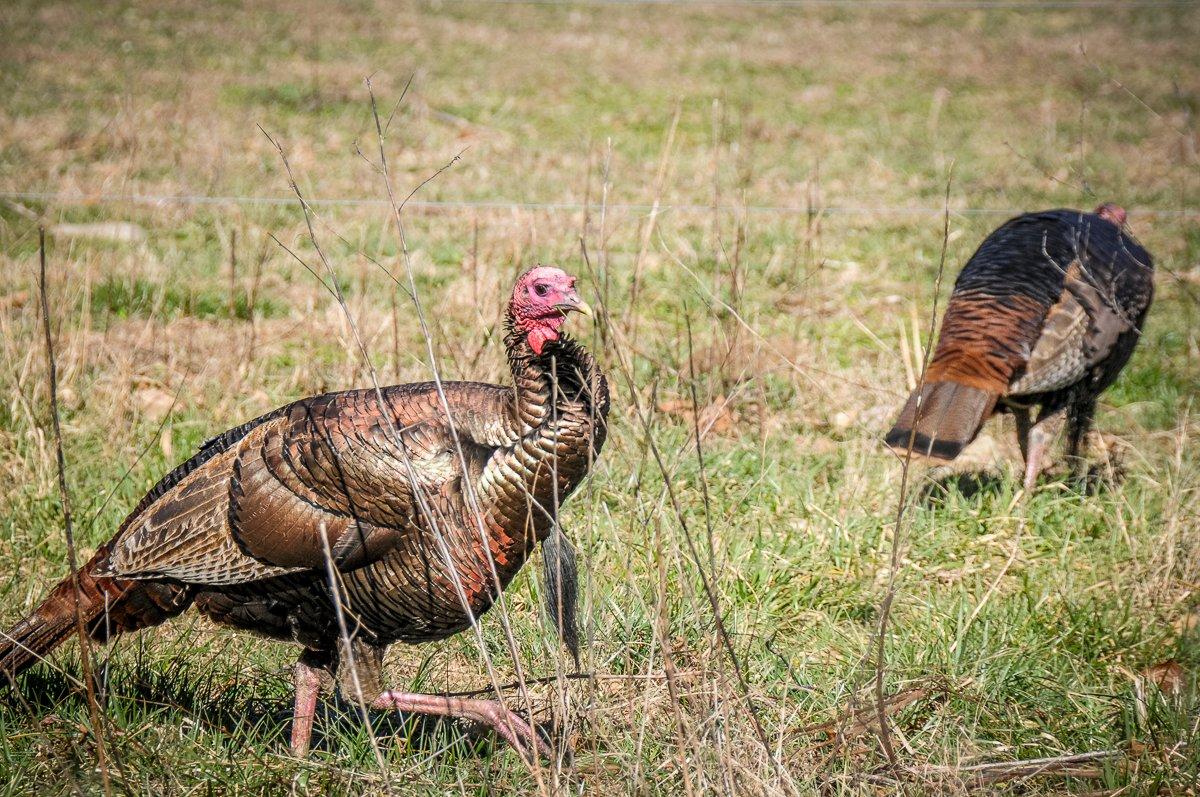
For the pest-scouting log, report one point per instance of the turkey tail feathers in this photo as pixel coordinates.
(108, 606)
(53, 621)
(940, 419)
(560, 577)
(32, 638)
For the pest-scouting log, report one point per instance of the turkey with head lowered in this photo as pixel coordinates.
(1043, 317)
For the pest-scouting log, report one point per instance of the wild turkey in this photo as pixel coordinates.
(380, 488)
(1046, 313)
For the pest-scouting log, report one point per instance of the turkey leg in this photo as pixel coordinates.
(1040, 436)
(1079, 421)
(492, 713)
(312, 673)
(1024, 418)
(311, 676)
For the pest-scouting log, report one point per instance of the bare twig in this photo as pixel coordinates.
(85, 659)
(885, 607)
(336, 593)
(997, 771)
(708, 526)
(233, 273)
(855, 722)
(424, 507)
(469, 489)
(677, 509)
(648, 231)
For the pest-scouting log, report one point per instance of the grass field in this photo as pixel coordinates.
(797, 160)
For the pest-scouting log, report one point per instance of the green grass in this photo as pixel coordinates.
(1025, 625)
(123, 298)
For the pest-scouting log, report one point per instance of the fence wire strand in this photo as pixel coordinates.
(970, 5)
(435, 205)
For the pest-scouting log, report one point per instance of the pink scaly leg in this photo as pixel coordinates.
(492, 713)
(309, 680)
(1041, 436)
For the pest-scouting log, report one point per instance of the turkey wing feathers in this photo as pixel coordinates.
(326, 473)
(1042, 302)
(1078, 333)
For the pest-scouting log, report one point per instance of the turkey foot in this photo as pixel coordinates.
(492, 713)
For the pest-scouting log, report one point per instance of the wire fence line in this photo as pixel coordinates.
(1019, 5)
(548, 207)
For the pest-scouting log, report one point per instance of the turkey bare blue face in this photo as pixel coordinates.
(540, 302)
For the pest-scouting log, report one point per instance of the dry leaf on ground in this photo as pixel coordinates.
(717, 417)
(1168, 676)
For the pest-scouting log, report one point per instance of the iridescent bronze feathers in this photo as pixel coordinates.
(425, 500)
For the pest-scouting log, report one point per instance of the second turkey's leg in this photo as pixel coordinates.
(1024, 419)
(1079, 421)
(1040, 438)
(492, 713)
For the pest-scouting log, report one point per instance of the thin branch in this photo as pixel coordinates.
(425, 508)
(997, 771)
(885, 608)
(677, 509)
(712, 551)
(469, 488)
(399, 102)
(85, 658)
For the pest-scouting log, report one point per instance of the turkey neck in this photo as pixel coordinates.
(562, 386)
(560, 405)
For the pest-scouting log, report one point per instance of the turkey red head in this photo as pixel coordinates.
(1110, 211)
(540, 302)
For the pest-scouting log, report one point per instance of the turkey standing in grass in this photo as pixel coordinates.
(1045, 314)
(423, 507)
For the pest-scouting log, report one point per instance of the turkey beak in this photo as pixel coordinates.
(573, 302)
